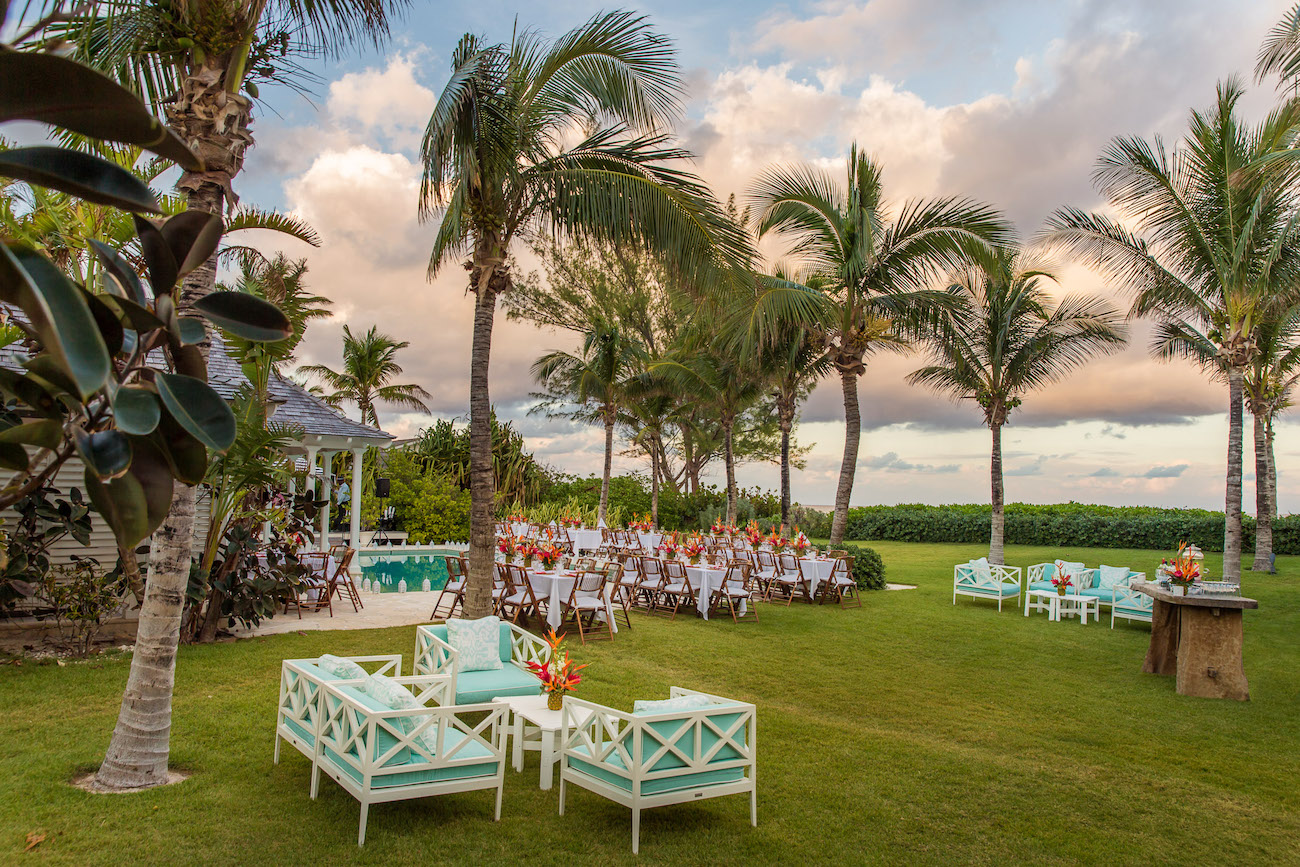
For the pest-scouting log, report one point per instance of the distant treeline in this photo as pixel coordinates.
(1073, 524)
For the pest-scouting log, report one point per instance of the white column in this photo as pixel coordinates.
(311, 468)
(325, 495)
(354, 502)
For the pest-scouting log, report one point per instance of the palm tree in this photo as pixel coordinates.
(1213, 252)
(500, 160)
(199, 62)
(1280, 52)
(1002, 337)
(369, 366)
(596, 376)
(876, 264)
(1268, 385)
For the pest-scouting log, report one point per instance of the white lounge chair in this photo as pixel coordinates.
(300, 710)
(647, 760)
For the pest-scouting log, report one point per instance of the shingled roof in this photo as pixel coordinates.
(294, 404)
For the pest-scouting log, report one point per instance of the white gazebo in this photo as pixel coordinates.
(325, 433)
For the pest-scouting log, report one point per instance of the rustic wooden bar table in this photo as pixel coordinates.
(1198, 638)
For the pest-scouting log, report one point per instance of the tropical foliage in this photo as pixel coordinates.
(369, 367)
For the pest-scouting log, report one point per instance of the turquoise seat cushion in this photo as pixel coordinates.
(697, 780)
(384, 739)
(301, 732)
(1105, 594)
(419, 770)
(1042, 585)
(318, 673)
(440, 630)
(476, 686)
(1000, 590)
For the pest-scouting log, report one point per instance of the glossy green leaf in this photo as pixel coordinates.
(135, 316)
(107, 453)
(58, 91)
(59, 314)
(186, 457)
(122, 272)
(85, 176)
(136, 410)
(246, 316)
(192, 330)
(197, 408)
(106, 319)
(30, 393)
(13, 457)
(42, 433)
(158, 257)
(193, 237)
(48, 372)
(135, 503)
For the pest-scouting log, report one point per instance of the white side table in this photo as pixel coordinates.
(1059, 606)
(534, 727)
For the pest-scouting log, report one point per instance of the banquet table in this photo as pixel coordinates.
(585, 539)
(520, 528)
(554, 588)
(816, 571)
(704, 580)
(650, 541)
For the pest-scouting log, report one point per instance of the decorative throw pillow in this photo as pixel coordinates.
(667, 705)
(477, 643)
(339, 667)
(980, 569)
(387, 691)
(1110, 576)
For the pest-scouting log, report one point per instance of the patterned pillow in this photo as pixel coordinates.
(387, 691)
(667, 705)
(477, 642)
(1110, 576)
(980, 569)
(339, 667)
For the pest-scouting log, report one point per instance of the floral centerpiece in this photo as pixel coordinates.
(506, 545)
(753, 536)
(776, 541)
(800, 543)
(693, 549)
(549, 555)
(525, 550)
(669, 545)
(1062, 582)
(518, 518)
(559, 675)
(1185, 569)
(571, 522)
(642, 524)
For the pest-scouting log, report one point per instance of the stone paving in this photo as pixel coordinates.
(381, 610)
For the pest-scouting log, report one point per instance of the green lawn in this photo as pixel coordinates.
(910, 731)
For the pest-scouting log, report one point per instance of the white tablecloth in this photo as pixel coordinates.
(816, 571)
(585, 539)
(520, 528)
(554, 588)
(650, 541)
(704, 580)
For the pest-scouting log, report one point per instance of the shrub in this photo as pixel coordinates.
(81, 595)
(868, 567)
(813, 523)
(427, 505)
(1074, 524)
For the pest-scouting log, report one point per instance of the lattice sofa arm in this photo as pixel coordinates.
(526, 647)
(432, 654)
(436, 688)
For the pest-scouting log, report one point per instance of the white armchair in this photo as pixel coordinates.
(981, 579)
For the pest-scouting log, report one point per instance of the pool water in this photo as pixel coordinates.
(385, 570)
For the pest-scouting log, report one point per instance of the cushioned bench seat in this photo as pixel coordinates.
(476, 686)
(434, 655)
(1000, 590)
(654, 787)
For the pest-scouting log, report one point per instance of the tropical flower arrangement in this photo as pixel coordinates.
(549, 555)
(800, 543)
(753, 536)
(693, 549)
(669, 545)
(642, 524)
(559, 675)
(1184, 568)
(1062, 583)
(570, 522)
(506, 545)
(525, 550)
(519, 518)
(777, 541)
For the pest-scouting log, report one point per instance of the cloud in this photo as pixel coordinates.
(390, 101)
(1033, 468)
(891, 462)
(1103, 473)
(1172, 471)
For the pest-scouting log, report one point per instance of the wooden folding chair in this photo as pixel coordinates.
(622, 591)
(736, 587)
(320, 584)
(343, 583)
(652, 578)
(789, 578)
(587, 599)
(519, 600)
(455, 586)
(841, 586)
(676, 585)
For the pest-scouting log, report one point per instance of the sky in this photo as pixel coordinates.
(1006, 101)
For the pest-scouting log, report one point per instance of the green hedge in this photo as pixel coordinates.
(1075, 524)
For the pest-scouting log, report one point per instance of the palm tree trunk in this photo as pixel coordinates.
(654, 480)
(216, 124)
(1263, 508)
(609, 463)
(729, 453)
(996, 525)
(787, 422)
(852, 437)
(1232, 499)
(482, 488)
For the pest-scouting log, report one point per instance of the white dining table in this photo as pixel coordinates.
(704, 580)
(554, 588)
(816, 570)
(585, 538)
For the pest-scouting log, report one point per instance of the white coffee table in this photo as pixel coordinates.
(1059, 606)
(533, 727)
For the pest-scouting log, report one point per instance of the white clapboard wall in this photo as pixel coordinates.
(102, 547)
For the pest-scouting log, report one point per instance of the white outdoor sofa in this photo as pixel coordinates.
(981, 579)
(647, 760)
(299, 713)
(433, 655)
(379, 754)
(1089, 582)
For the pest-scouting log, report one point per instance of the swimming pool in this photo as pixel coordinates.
(385, 570)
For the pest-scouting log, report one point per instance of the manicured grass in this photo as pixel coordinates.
(910, 731)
